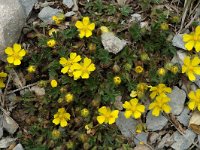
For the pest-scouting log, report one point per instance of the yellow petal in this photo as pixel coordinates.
(156, 112)
(197, 46)
(91, 26)
(10, 59)
(2, 85)
(82, 33)
(65, 69)
(16, 47)
(191, 105)
(166, 108)
(192, 95)
(72, 55)
(87, 62)
(189, 45)
(186, 60)
(63, 61)
(111, 120)
(100, 119)
(187, 37)
(103, 110)
(152, 105)
(77, 74)
(61, 110)
(197, 30)
(91, 67)
(198, 107)
(3, 74)
(195, 61)
(56, 121)
(134, 101)
(86, 21)
(196, 70)
(115, 113)
(191, 76)
(85, 75)
(127, 114)
(153, 95)
(133, 94)
(137, 114)
(17, 62)
(127, 105)
(9, 51)
(67, 116)
(63, 123)
(22, 53)
(88, 33)
(141, 108)
(184, 69)
(54, 83)
(79, 24)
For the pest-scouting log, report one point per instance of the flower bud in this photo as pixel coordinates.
(116, 68)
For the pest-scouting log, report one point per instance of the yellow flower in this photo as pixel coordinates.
(164, 26)
(159, 89)
(160, 104)
(68, 63)
(51, 43)
(69, 97)
(104, 29)
(15, 54)
(31, 69)
(84, 69)
(133, 108)
(55, 134)
(84, 112)
(61, 117)
(106, 115)
(191, 67)
(58, 18)
(142, 87)
(192, 40)
(194, 101)
(139, 69)
(54, 83)
(117, 80)
(85, 28)
(3, 75)
(161, 71)
(174, 69)
(52, 31)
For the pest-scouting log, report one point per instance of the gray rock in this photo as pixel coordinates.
(184, 117)
(69, 14)
(12, 19)
(136, 17)
(177, 102)
(178, 41)
(141, 147)
(6, 142)
(18, 147)
(178, 59)
(68, 3)
(167, 140)
(126, 126)
(154, 137)
(155, 123)
(183, 142)
(46, 14)
(142, 137)
(27, 5)
(9, 124)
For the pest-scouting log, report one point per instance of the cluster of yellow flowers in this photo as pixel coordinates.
(58, 18)
(76, 69)
(160, 103)
(140, 90)
(191, 64)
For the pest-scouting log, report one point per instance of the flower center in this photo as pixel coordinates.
(195, 37)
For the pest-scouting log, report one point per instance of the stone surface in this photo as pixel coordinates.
(167, 140)
(177, 102)
(27, 5)
(136, 17)
(112, 43)
(184, 117)
(179, 57)
(46, 14)
(178, 41)
(68, 3)
(18, 147)
(6, 142)
(155, 123)
(126, 126)
(142, 137)
(12, 19)
(9, 124)
(183, 142)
